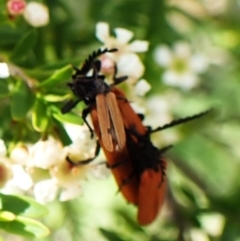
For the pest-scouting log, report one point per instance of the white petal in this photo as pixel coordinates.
(4, 71)
(130, 65)
(36, 14)
(20, 154)
(184, 80)
(83, 147)
(163, 56)
(213, 223)
(3, 148)
(123, 35)
(5, 171)
(21, 178)
(70, 192)
(158, 110)
(198, 235)
(198, 63)
(137, 108)
(45, 154)
(75, 131)
(45, 191)
(189, 80)
(100, 171)
(142, 87)
(102, 31)
(157, 103)
(182, 50)
(139, 46)
(170, 77)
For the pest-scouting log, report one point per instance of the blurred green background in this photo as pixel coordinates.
(203, 167)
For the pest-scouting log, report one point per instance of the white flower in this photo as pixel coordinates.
(4, 71)
(3, 148)
(20, 154)
(100, 171)
(128, 63)
(159, 114)
(68, 177)
(36, 14)
(45, 154)
(142, 87)
(5, 171)
(139, 109)
(123, 36)
(159, 110)
(182, 66)
(83, 146)
(45, 191)
(21, 178)
(70, 192)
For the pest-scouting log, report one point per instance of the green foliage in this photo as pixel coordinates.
(24, 45)
(21, 94)
(17, 213)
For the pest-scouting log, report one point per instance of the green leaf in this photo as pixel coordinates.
(22, 205)
(130, 220)
(6, 216)
(55, 98)
(109, 235)
(3, 88)
(58, 76)
(63, 135)
(21, 101)
(39, 117)
(26, 43)
(25, 227)
(68, 117)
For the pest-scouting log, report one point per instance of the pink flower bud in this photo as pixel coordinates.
(16, 7)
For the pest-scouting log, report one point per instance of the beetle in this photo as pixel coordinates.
(137, 165)
(148, 169)
(97, 95)
(123, 170)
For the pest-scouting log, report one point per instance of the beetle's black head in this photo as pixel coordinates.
(86, 87)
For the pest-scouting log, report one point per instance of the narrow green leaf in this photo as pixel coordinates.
(55, 98)
(39, 115)
(68, 117)
(63, 135)
(3, 88)
(22, 205)
(110, 235)
(26, 43)
(21, 101)
(58, 76)
(6, 216)
(26, 227)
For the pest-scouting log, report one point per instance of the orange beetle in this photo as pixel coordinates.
(97, 96)
(136, 164)
(149, 167)
(109, 120)
(119, 161)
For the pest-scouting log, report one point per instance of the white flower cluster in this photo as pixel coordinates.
(42, 169)
(35, 13)
(181, 65)
(128, 62)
